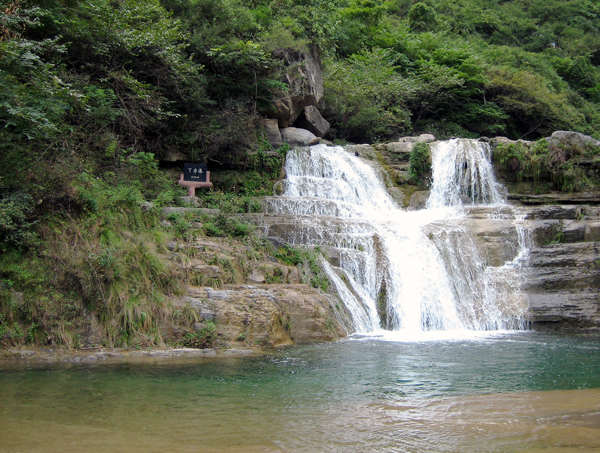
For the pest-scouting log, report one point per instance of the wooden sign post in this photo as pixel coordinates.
(193, 177)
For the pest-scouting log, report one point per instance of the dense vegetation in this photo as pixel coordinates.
(93, 94)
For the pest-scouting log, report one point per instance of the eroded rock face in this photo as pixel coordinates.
(304, 78)
(561, 278)
(252, 298)
(272, 315)
(562, 281)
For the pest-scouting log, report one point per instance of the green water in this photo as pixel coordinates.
(506, 393)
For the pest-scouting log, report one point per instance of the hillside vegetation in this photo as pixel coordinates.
(93, 94)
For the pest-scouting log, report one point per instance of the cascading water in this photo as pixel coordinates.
(399, 270)
(463, 174)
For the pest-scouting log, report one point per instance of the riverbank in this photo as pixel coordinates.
(44, 355)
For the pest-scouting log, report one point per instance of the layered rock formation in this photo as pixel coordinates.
(253, 299)
(562, 278)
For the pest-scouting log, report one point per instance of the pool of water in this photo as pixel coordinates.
(505, 392)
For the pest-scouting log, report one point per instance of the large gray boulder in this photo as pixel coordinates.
(570, 139)
(310, 119)
(296, 136)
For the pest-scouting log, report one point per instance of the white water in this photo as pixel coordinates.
(463, 174)
(422, 267)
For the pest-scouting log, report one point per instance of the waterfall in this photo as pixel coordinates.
(407, 271)
(463, 174)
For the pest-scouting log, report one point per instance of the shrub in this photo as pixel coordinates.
(223, 225)
(419, 163)
(16, 221)
(204, 338)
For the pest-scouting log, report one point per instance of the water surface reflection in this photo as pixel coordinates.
(517, 392)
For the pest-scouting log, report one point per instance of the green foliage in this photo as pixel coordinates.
(223, 225)
(33, 99)
(308, 261)
(543, 164)
(230, 202)
(290, 255)
(364, 93)
(421, 17)
(204, 338)
(17, 222)
(419, 163)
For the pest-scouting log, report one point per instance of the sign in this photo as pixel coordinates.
(194, 172)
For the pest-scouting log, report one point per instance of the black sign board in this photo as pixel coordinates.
(194, 172)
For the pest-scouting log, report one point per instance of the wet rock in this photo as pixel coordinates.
(364, 151)
(497, 239)
(554, 212)
(562, 282)
(418, 200)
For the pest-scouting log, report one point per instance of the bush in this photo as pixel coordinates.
(419, 163)
(17, 222)
(223, 225)
(204, 338)
(308, 260)
(540, 163)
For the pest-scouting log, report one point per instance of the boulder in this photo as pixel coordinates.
(273, 134)
(304, 78)
(311, 119)
(296, 136)
(404, 145)
(570, 139)
(425, 138)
